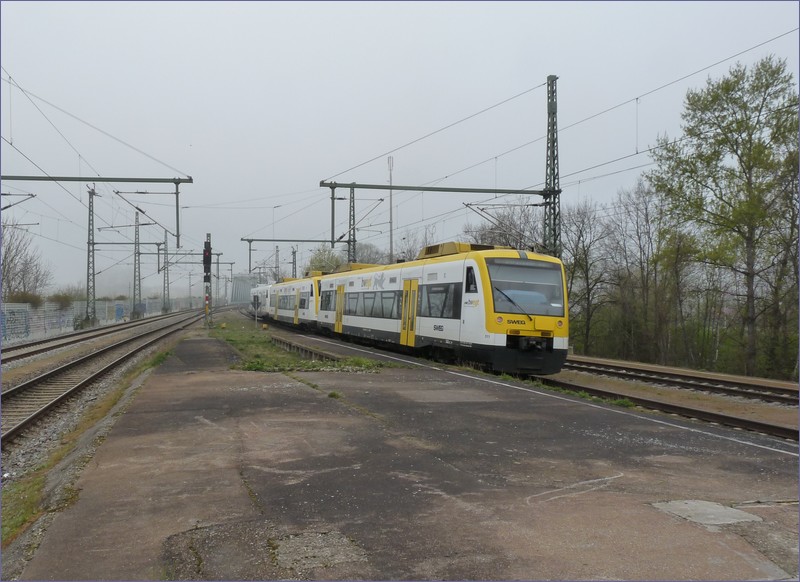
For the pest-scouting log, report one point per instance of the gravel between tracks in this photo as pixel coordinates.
(39, 442)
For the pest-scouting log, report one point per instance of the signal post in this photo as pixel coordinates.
(207, 278)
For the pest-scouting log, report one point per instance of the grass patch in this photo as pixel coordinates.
(288, 362)
(334, 394)
(158, 360)
(259, 354)
(22, 502)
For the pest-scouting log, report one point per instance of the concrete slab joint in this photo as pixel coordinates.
(706, 513)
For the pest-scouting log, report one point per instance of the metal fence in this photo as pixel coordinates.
(21, 322)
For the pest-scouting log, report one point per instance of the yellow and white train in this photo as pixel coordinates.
(501, 308)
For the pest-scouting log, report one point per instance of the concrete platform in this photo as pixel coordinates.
(413, 473)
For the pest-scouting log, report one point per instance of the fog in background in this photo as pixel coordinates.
(260, 101)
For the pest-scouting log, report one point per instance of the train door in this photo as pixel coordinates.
(409, 315)
(473, 306)
(297, 306)
(337, 326)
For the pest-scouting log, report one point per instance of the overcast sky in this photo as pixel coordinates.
(260, 101)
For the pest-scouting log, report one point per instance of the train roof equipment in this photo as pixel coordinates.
(454, 248)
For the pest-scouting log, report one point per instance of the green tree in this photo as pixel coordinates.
(726, 174)
(369, 253)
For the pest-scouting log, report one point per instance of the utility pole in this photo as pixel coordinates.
(552, 187)
(249, 256)
(207, 278)
(277, 273)
(294, 262)
(216, 293)
(391, 210)
(137, 273)
(165, 307)
(91, 318)
(351, 241)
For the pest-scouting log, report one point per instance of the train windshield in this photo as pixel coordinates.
(526, 286)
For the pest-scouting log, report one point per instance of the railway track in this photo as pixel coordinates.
(294, 342)
(27, 349)
(25, 403)
(769, 428)
(751, 388)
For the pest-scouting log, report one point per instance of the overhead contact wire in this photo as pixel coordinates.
(419, 139)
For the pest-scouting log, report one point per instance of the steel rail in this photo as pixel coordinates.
(22, 388)
(780, 431)
(706, 383)
(786, 432)
(28, 349)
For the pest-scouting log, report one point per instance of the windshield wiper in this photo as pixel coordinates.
(514, 303)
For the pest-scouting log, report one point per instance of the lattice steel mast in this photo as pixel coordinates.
(552, 187)
(90, 293)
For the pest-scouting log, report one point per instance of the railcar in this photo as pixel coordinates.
(501, 308)
(295, 302)
(261, 308)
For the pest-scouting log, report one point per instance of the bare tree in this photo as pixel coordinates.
(586, 264)
(637, 236)
(517, 225)
(413, 242)
(23, 271)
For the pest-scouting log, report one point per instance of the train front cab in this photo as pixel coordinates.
(520, 300)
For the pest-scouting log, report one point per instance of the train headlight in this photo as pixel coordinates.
(560, 323)
(499, 319)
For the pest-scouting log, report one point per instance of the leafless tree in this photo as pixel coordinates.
(586, 263)
(23, 270)
(414, 241)
(517, 225)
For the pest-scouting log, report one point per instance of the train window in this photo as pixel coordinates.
(391, 303)
(326, 301)
(440, 301)
(352, 304)
(367, 304)
(470, 286)
(526, 286)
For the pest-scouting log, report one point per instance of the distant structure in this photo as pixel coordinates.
(240, 291)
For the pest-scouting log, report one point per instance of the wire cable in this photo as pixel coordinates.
(94, 127)
(419, 139)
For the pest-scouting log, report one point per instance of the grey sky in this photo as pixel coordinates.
(259, 101)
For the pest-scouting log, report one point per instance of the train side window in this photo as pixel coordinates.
(352, 304)
(471, 286)
(327, 301)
